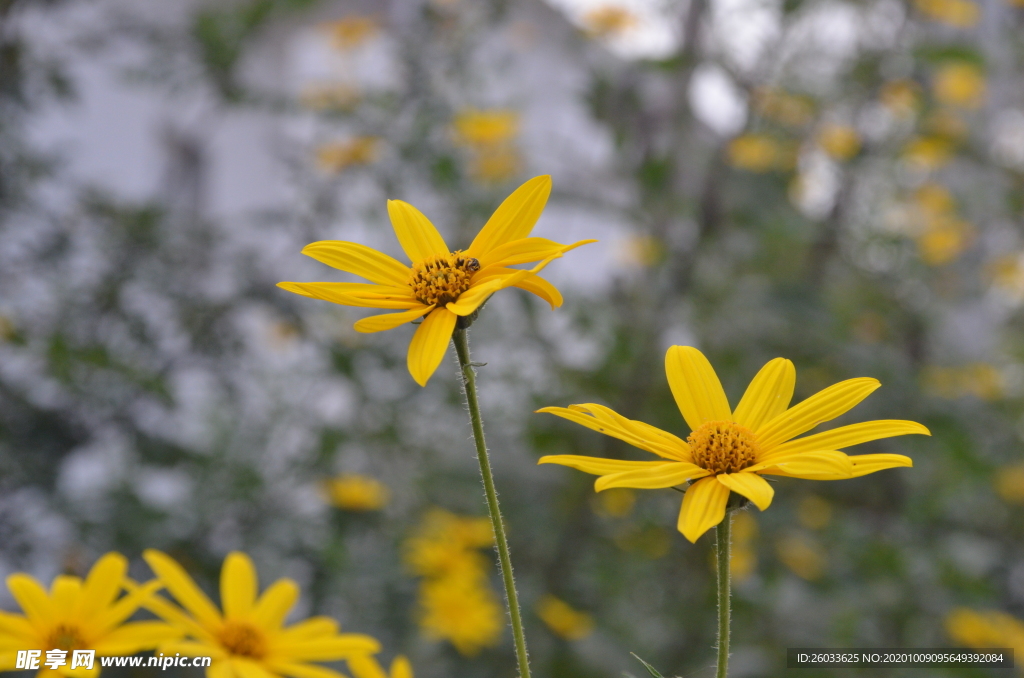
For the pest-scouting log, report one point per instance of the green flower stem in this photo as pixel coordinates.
(723, 549)
(511, 597)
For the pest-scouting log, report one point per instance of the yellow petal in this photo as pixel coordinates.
(695, 386)
(15, 625)
(471, 299)
(845, 436)
(864, 464)
(135, 637)
(597, 465)
(361, 260)
(181, 586)
(416, 234)
(274, 604)
(296, 670)
(248, 668)
(219, 668)
(525, 250)
(626, 430)
(156, 604)
(65, 592)
(237, 585)
(768, 394)
(543, 289)
(107, 618)
(389, 321)
(656, 478)
(309, 628)
(365, 667)
(188, 648)
(102, 584)
(750, 485)
(355, 294)
(821, 465)
(32, 598)
(429, 344)
(703, 507)
(400, 667)
(328, 649)
(823, 406)
(514, 218)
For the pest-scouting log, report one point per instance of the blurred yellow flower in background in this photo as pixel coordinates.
(564, 621)
(802, 556)
(1007, 275)
(642, 250)
(928, 153)
(789, 109)
(248, 638)
(743, 557)
(337, 156)
(959, 13)
(728, 450)
(840, 141)
(352, 31)
(759, 153)
(353, 492)
(440, 286)
(608, 21)
(486, 128)
(901, 97)
(79, 615)
(813, 512)
(981, 380)
(982, 630)
(1009, 483)
(959, 83)
(944, 240)
(329, 97)
(446, 544)
(494, 166)
(616, 503)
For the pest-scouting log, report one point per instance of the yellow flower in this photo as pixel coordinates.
(447, 544)
(249, 638)
(441, 285)
(757, 153)
(728, 451)
(354, 492)
(493, 166)
(563, 620)
(1009, 483)
(928, 153)
(616, 503)
(959, 13)
(608, 21)
(840, 141)
(366, 666)
(813, 512)
(352, 31)
(960, 84)
(743, 555)
(944, 240)
(475, 128)
(335, 157)
(901, 97)
(985, 629)
(462, 611)
(802, 556)
(79, 615)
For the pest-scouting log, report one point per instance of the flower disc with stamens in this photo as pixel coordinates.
(723, 447)
(440, 279)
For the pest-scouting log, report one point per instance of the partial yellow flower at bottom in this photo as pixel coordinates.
(729, 450)
(985, 629)
(368, 667)
(79, 615)
(463, 611)
(353, 492)
(248, 639)
(441, 286)
(563, 620)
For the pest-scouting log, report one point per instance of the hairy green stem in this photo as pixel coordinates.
(511, 597)
(723, 549)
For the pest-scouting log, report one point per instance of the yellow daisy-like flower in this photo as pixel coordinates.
(441, 285)
(728, 450)
(79, 615)
(249, 639)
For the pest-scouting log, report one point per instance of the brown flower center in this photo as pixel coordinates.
(442, 278)
(242, 639)
(65, 637)
(723, 447)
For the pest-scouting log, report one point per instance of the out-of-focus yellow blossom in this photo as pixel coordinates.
(464, 612)
(959, 13)
(564, 621)
(351, 32)
(642, 250)
(743, 558)
(1007, 275)
(79, 615)
(495, 165)
(802, 555)
(946, 123)
(608, 21)
(813, 512)
(495, 127)
(759, 153)
(447, 544)
(934, 200)
(980, 380)
(329, 97)
(336, 157)
(353, 492)
(1009, 483)
(651, 542)
(789, 109)
(928, 153)
(616, 503)
(901, 97)
(840, 141)
(944, 240)
(985, 629)
(366, 666)
(959, 84)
